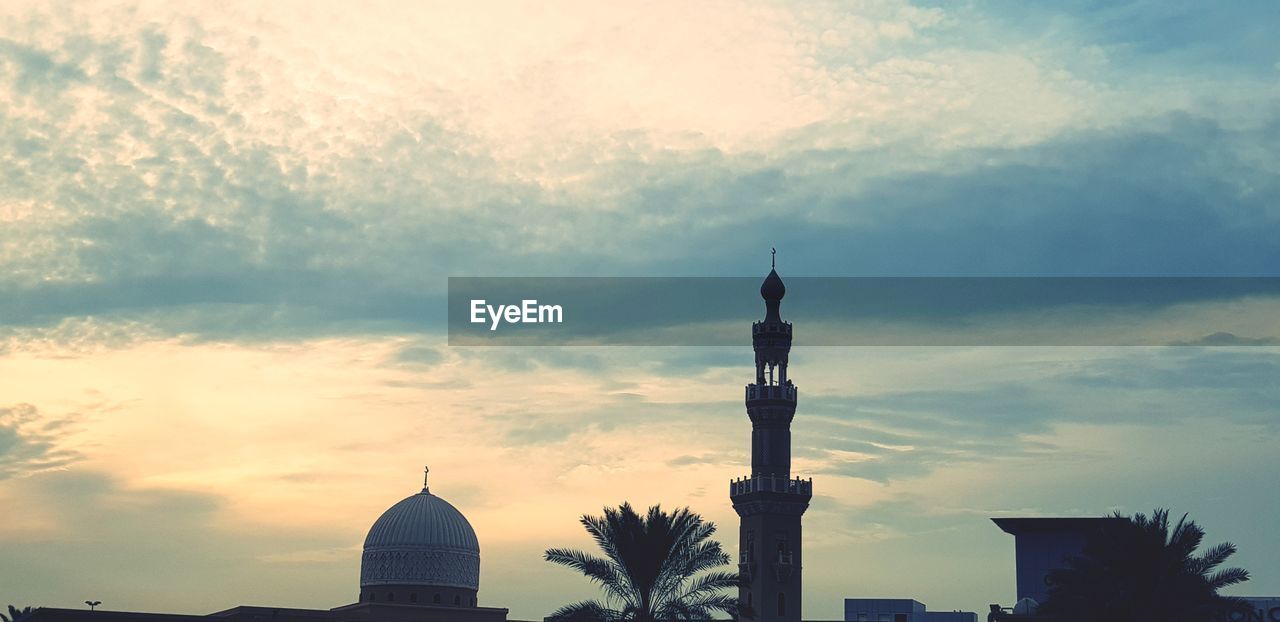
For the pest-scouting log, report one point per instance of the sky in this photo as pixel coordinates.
(226, 231)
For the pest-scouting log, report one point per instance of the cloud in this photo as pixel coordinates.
(904, 434)
(178, 197)
(31, 443)
(680, 461)
(1029, 213)
(184, 203)
(1157, 34)
(91, 521)
(1223, 338)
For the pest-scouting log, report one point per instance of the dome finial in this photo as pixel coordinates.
(773, 261)
(426, 470)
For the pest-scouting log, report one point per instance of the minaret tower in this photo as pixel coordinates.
(770, 502)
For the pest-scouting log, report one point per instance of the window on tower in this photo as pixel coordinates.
(782, 604)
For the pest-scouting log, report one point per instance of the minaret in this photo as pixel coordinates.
(770, 502)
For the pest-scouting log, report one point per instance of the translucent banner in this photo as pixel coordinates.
(867, 311)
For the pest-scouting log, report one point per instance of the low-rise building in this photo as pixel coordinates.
(899, 610)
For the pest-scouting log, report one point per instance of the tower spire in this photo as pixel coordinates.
(426, 470)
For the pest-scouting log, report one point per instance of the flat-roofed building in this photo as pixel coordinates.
(899, 610)
(1042, 545)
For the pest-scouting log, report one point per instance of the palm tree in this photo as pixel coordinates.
(656, 567)
(1139, 569)
(16, 614)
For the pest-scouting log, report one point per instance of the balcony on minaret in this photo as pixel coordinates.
(781, 328)
(771, 392)
(768, 483)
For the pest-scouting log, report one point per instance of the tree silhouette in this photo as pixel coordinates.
(1140, 570)
(16, 614)
(656, 567)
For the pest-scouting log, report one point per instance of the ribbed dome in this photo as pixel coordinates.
(422, 540)
(423, 520)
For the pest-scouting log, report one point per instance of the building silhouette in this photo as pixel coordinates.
(770, 502)
(1043, 545)
(421, 563)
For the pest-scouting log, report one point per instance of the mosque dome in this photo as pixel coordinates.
(772, 289)
(421, 541)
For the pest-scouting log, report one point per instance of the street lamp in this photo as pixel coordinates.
(93, 604)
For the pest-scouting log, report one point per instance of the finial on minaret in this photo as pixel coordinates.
(773, 262)
(425, 472)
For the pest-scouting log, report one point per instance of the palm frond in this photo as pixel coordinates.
(700, 608)
(710, 583)
(1228, 576)
(656, 565)
(16, 614)
(585, 611)
(1215, 556)
(599, 570)
(1143, 568)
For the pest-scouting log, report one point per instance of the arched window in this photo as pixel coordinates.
(748, 600)
(782, 604)
(436, 599)
(391, 596)
(413, 597)
(457, 600)
(473, 601)
(372, 596)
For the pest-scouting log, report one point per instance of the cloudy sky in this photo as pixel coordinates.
(225, 233)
